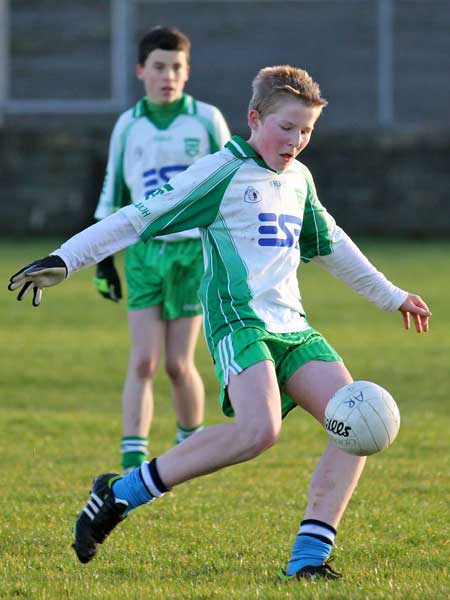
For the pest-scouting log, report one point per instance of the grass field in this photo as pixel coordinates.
(226, 535)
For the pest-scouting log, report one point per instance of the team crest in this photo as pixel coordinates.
(252, 195)
(192, 146)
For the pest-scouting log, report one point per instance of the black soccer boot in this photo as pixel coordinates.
(98, 518)
(323, 571)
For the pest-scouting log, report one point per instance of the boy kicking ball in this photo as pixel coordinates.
(258, 213)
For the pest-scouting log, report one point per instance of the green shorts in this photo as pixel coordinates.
(166, 273)
(288, 351)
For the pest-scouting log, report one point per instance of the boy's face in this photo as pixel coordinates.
(281, 135)
(164, 75)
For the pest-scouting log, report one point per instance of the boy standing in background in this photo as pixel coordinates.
(163, 134)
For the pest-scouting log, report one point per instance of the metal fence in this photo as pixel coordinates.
(380, 63)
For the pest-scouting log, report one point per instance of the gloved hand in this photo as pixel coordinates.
(107, 280)
(41, 273)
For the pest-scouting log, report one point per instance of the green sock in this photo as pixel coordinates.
(183, 433)
(134, 451)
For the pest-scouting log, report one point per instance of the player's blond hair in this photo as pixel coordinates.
(272, 84)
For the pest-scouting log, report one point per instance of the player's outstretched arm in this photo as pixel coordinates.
(90, 246)
(39, 274)
(415, 307)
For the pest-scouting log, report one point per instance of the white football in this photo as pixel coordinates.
(362, 418)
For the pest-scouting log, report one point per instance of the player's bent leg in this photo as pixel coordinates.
(187, 386)
(334, 478)
(255, 398)
(313, 384)
(146, 334)
(337, 473)
(332, 485)
(256, 401)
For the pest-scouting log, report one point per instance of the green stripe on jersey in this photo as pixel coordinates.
(317, 227)
(121, 193)
(213, 134)
(224, 289)
(199, 208)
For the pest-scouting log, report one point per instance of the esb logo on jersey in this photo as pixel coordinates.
(155, 178)
(279, 230)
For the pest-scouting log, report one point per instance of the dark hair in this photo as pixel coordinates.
(163, 38)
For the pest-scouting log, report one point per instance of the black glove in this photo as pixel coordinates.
(106, 280)
(41, 273)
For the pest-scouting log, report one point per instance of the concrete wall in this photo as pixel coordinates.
(49, 182)
(374, 184)
(385, 184)
(61, 49)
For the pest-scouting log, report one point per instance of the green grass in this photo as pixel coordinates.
(223, 536)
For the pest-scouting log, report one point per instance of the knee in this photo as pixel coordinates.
(261, 439)
(145, 369)
(176, 369)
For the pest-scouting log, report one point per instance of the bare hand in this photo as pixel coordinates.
(417, 308)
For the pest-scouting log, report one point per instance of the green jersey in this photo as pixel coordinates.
(146, 150)
(255, 225)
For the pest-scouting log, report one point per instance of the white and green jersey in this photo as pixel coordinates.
(144, 154)
(255, 225)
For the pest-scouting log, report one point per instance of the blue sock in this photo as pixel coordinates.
(312, 546)
(141, 486)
